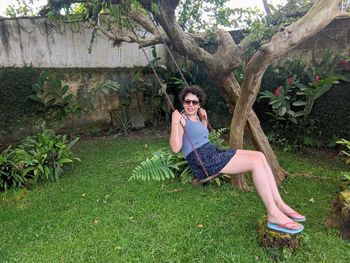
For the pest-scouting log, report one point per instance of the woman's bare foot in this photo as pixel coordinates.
(291, 213)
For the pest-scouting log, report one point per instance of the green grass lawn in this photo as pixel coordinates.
(94, 214)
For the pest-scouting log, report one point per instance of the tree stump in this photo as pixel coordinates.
(339, 216)
(275, 239)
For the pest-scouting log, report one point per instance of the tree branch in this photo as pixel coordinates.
(144, 21)
(319, 16)
(181, 41)
(229, 55)
(266, 7)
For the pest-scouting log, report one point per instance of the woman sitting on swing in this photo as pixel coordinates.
(200, 152)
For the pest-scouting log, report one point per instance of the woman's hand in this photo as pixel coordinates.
(203, 114)
(177, 131)
(176, 117)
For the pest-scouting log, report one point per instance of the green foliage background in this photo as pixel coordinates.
(332, 111)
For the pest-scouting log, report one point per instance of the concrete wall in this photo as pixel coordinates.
(44, 44)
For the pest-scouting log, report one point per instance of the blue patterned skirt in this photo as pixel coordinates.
(214, 160)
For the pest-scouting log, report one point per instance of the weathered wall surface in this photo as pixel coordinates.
(44, 44)
(81, 83)
(19, 121)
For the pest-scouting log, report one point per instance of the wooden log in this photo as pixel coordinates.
(275, 239)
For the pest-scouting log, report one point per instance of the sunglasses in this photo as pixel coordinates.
(194, 102)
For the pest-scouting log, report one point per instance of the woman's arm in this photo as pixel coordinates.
(177, 131)
(204, 117)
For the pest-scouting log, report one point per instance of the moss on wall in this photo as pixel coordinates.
(16, 111)
(332, 112)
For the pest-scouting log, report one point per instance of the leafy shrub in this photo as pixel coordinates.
(10, 171)
(43, 156)
(346, 152)
(39, 157)
(292, 101)
(332, 113)
(278, 139)
(57, 104)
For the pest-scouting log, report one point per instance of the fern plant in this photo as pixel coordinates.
(161, 166)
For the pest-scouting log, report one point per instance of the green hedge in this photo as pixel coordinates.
(15, 109)
(332, 111)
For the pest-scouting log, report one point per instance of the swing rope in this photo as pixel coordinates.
(163, 86)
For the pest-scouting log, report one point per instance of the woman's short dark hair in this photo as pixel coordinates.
(195, 90)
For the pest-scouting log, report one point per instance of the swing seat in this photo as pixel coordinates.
(206, 180)
(209, 178)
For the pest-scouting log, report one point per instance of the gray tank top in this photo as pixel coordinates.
(198, 134)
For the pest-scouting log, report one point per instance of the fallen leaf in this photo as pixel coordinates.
(200, 225)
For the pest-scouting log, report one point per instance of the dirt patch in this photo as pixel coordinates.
(161, 133)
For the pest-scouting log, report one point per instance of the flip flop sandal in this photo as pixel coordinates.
(284, 229)
(296, 219)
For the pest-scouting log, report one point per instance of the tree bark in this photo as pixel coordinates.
(231, 90)
(266, 7)
(231, 93)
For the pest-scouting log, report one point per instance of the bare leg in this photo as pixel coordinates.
(278, 199)
(276, 195)
(246, 162)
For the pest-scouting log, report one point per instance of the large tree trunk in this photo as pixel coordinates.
(231, 91)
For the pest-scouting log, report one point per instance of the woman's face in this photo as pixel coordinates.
(191, 104)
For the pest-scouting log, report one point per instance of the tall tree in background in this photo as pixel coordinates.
(268, 39)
